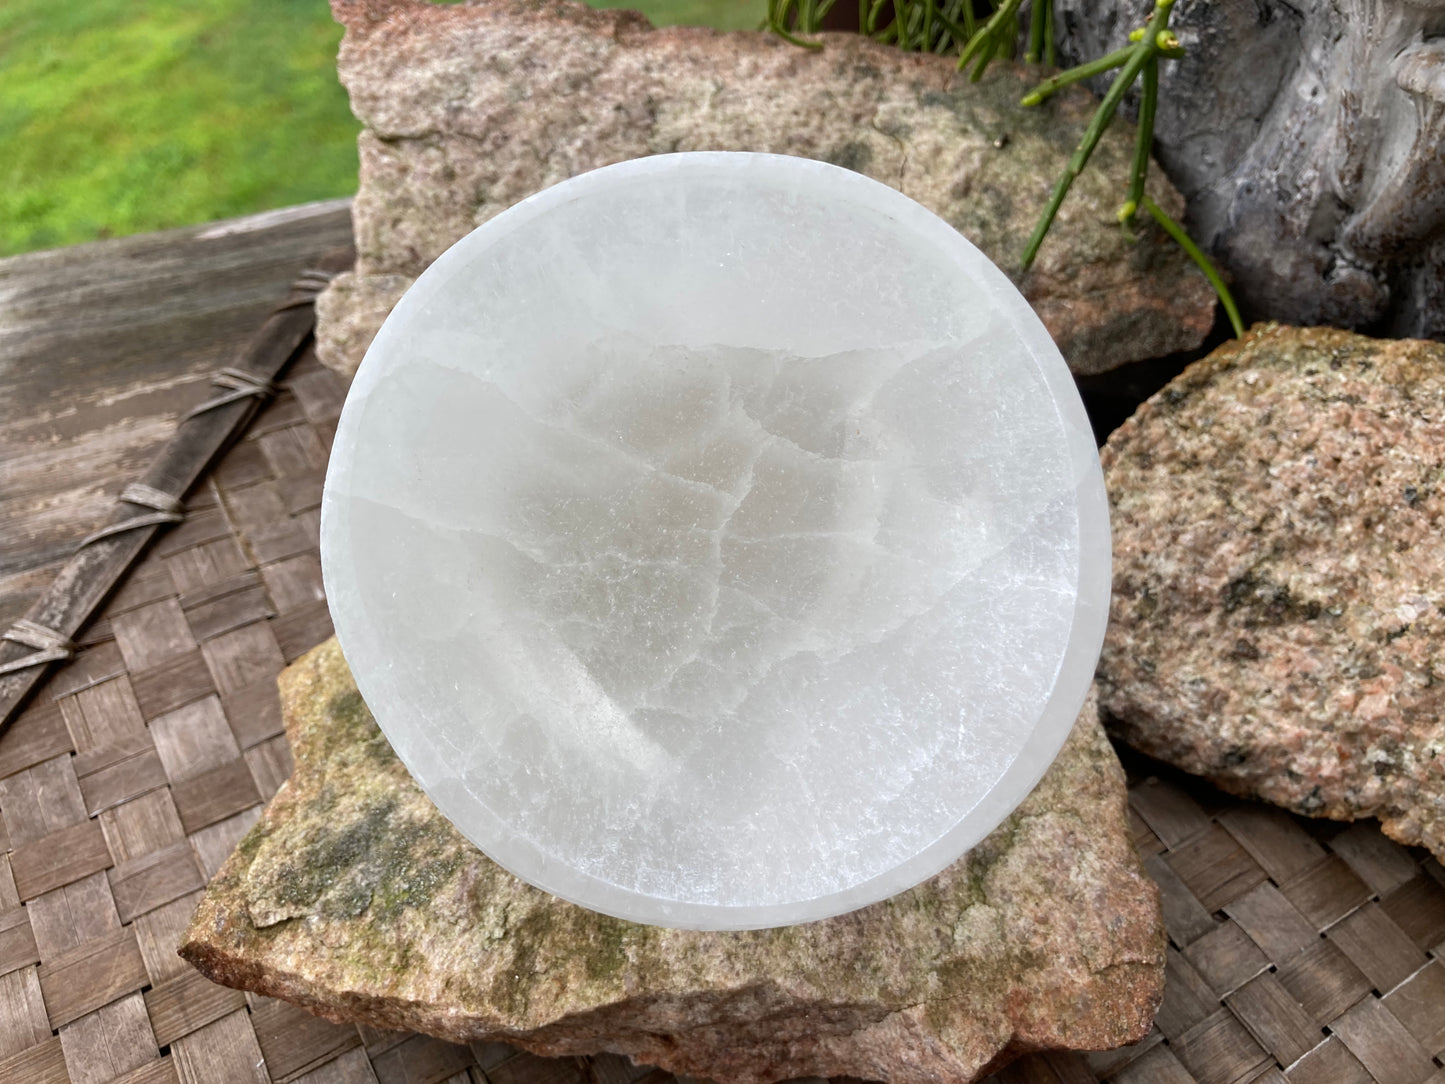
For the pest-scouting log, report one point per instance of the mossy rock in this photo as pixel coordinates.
(355, 898)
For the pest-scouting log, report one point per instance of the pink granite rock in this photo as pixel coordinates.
(1279, 577)
(355, 898)
(469, 108)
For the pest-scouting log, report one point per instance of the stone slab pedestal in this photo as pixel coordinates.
(355, 898)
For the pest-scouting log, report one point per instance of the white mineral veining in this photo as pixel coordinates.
(719, 540)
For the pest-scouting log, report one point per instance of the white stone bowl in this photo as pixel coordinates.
(719, 539)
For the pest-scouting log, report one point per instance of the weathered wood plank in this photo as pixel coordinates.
(1324, 981)
(72, 915)
(111, 1041)
(194, 739)
(1327, 892)
(1275, 1019)
(43, 1063)
(216, 794)
(159, 933)
(119, 772)
(222, 1052)
(295, 1042)
(421, 1059)
(171, 686)
(17, 941)
(1382, 1044)
(41, 800)
(92, 572)
(142, 825)
(22, 1013)
(1272, 923)
(91, 975)
(146, 882)
(254, 712)
(302, 629)
(213, 845)
(59, 858)
(271, 765)
(186, 1002)
(103, 345)
(1377, 946)
(36, 736)
(160, 1071)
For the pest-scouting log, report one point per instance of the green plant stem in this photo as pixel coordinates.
(1174, 230)
(789, 37)
(958, 32)
(1038, 16)
(778, 12)
(985, 55)
(1055, 83)
(1143, 51)
(905, 14)
(778, 24)
(1006, 15)
(1143, 142)
(875, 9)
(1051, 56)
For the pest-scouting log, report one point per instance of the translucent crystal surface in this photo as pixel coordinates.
(719, 540)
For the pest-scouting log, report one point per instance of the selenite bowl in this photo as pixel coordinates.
(719, 540)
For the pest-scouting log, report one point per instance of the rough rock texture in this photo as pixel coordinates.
(1279, 576)
(1309, 139)
(354, 897)
(468, 109)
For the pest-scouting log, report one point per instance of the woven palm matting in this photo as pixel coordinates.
(1300, 951)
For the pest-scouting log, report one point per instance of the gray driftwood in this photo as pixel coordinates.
(1309, 138)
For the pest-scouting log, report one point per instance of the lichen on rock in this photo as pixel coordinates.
(355, 898)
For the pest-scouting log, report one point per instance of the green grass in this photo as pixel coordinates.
(121, 116)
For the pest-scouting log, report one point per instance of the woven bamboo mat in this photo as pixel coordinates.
(1300, 951)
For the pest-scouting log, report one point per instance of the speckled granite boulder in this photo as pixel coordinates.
(355, 898)
(1279, 576)
(470, 108)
